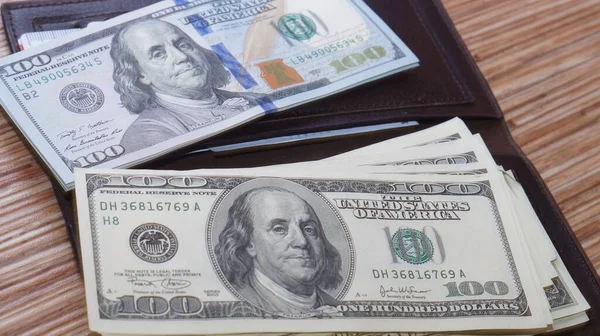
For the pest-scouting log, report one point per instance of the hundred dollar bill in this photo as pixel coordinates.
(135, 87)
(566, 304)
(217, 253)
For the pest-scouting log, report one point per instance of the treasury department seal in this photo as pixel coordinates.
(82, 98)
(154, 243)
(297, 26)
(412, 246)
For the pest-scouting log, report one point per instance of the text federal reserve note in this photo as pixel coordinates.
(217, 253)
(145, 83)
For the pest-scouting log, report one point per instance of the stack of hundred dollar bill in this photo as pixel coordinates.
(133, 88)
(423, 234)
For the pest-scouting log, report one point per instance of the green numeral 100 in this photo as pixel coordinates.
(356, 59)
(474, 288)
(156, 305)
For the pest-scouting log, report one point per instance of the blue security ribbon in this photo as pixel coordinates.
(241, 75)
(237, 70)
(201, 25)
(267, 104)
(198, 22)
(229, 61)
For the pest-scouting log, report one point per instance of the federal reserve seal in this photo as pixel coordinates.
(82, 98)
(297, 26)
(154, 243)
(412, 246)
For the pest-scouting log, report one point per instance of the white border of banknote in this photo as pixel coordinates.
(64, 172)
(94, 181)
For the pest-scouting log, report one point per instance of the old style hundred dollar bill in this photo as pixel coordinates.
(150, 81)
(563, 296)
(174, 252)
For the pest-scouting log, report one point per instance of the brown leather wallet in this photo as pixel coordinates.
(447, 84)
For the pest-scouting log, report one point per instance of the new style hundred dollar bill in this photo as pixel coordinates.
(145, 83)
(197, 252)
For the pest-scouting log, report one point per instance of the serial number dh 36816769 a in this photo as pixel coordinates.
(150, 206)
(418, 274)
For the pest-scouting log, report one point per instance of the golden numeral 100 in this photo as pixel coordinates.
(355, 59)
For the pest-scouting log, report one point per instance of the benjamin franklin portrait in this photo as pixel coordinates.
(170, 82)
(274, 252)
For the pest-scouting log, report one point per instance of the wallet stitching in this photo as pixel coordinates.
(462, 47)
(436, 43)
(12, 30)
(379, 106)
(351, 109)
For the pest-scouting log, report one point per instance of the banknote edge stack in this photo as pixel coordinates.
(448, 149)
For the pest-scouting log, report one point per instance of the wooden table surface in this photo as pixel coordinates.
(541, 58)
